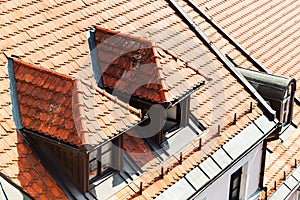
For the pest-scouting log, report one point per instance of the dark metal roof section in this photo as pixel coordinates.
(269, 85)
(225, 61)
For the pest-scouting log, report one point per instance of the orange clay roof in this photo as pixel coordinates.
(269, 31)
(52, 34)
(70, 110)
(18, 164)
(137, 67)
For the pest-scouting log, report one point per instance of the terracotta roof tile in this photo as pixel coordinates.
(20, 165)
(52, 44)
(136, 67)
(282, 159)
(47, 104)
(138, 150)
(268, 30)
(153, 185)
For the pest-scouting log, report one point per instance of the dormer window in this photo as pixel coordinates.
(100, 161)
(173, 118)
(177, 117)
(277, 90)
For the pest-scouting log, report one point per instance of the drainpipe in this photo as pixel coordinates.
(262, 166)
(94, 57)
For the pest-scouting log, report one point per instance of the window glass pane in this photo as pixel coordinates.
(234, 195)
(235, 183)
(93, 155)
(172, 113)
(93, 168)
(106, 156)
(100, 160)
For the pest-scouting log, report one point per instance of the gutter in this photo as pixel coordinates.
(234, 162)
(291, 190)
(225, 35)
(189, 93)
(205, 39)
(117, 135)
(244, 52)
(262, 165)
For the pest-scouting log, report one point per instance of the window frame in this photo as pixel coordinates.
(96, 160)
(237, 175)
(178, 119)
(286, 105)
(182, 119)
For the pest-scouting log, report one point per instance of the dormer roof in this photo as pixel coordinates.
(138, 67)
(72, 110)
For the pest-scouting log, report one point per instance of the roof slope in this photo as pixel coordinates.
(284, 156)
(24, 169)
(52, 34)
(269, 31)
(70, 110)
(137, 67)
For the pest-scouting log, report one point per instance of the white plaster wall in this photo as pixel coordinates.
(219, 190)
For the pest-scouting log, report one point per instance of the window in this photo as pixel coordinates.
(235, 185)
(173, 118)
(286, 106)
(100, 161)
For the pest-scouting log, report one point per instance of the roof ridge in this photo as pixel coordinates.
(158, 66)
(115, 99)
(43, 70)
(197, 70)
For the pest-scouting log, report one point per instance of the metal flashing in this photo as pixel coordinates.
(197, 178)
(180, 190)
(251, 132)
(14, 95)
(291, 182)
(225, 35)
(244, 143)
(281, 193)
(221, 157)
(227, 63)
(264, 124)
(94, 57)
(9, 190)
(209, 167)
(290, 185)
(270, 85)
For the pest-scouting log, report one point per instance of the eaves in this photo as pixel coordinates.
(224, 158)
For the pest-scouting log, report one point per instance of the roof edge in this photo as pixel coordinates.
(115, 99)
(42, 69)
